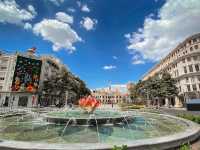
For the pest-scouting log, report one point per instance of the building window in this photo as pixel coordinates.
(195, 58)
(183, 60)
(196, 46)
(198, 77)
(185, 69)
(1, 78)
(189, 59)
(188, 88)
(186, 79)
(194, 87)
(1, 87)
(194, 40)
(190, 68)
(191, 48)
(180, 89)
(4, 61)
(3, 68)
(197, 67)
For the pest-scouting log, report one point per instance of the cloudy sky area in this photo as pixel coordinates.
(101, 41)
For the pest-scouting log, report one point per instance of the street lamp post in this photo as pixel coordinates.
(148, 101)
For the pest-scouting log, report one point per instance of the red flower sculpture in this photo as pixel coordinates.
(89, 104)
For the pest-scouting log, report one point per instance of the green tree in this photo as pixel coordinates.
(64, 83)
(151, 89)
(168, 85)
(155, 88)
(132, 91)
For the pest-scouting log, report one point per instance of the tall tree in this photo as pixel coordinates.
(168, 84)
(64, 83)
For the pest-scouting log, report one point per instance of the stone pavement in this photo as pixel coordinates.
(177, 111)
(196, 145)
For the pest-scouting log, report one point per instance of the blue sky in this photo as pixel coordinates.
(101, 41)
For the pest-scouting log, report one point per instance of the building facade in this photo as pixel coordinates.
(183, 63)
(22, 77)
(113, 94)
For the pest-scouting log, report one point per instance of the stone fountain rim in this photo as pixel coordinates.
(121, 115)
(190, 134)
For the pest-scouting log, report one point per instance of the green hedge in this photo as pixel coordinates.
(123, 147)
(190, 117)
(131, 106)
(185, 147)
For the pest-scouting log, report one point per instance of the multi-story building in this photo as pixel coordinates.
(112, 94)
(183, 63)
(22, 77)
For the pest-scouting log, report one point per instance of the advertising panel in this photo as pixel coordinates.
(27, 74)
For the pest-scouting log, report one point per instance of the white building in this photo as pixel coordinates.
(183, 63)
(13, 92)
(113, 94)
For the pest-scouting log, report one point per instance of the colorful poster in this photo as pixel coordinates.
(27, 74)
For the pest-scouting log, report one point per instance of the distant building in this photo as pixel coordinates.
(112, 94)
(183, 63)
(22, 77)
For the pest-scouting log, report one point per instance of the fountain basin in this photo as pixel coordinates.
(80, 118)
(147, 131)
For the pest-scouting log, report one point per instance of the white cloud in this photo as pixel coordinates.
(109, 67)
(10, 12)
(137, 62)
(85, 8)
(32, 9)
(63, 17)
(176, 21)
(78, 3)
(137, 59)
(27, 26)
(88, 23)
(57, 32)
(72, 10)
(57, 2)
(128, 35)
(115, 57)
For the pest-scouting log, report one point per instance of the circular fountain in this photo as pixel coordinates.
(87, 115)
(100, 129)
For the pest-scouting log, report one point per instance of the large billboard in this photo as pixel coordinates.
(26, 75)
